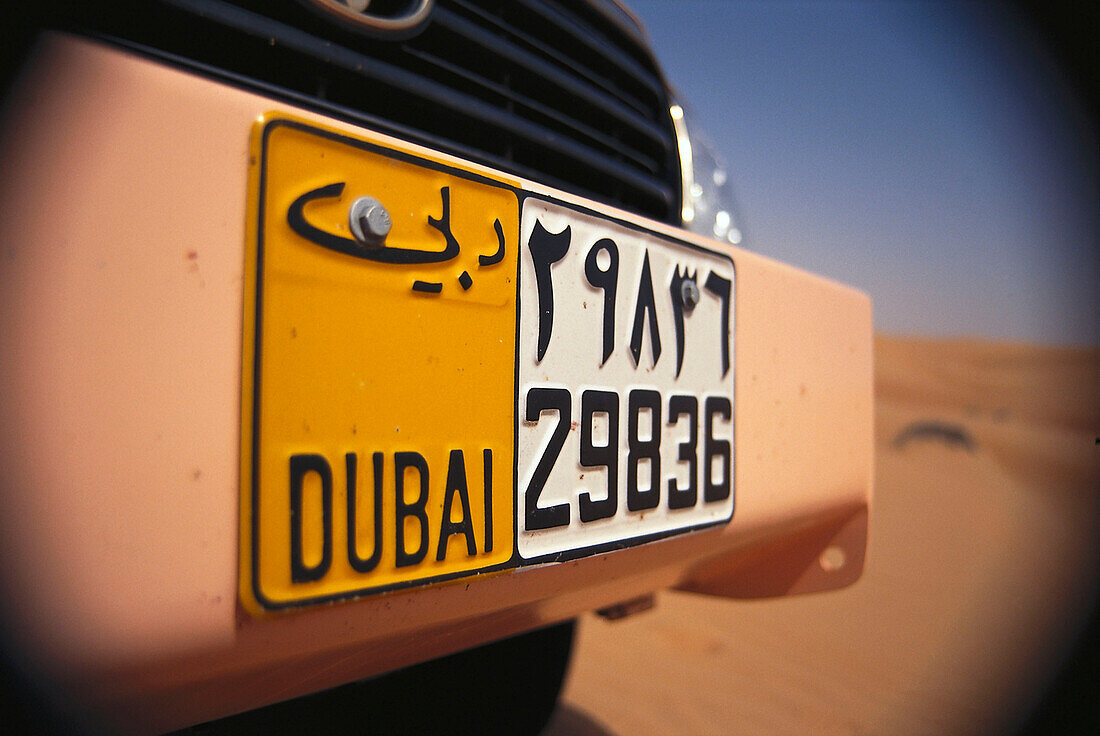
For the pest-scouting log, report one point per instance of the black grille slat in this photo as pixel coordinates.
(540, 47)
(596, 42)
(478, 81)
(527, 62)
(445, 97)
(609, 144)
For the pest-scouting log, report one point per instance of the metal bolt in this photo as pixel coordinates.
(369, 221)
(689, 294)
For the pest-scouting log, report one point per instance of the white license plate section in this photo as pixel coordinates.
(625, 384)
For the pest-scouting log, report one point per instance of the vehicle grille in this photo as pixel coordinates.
(552, 90)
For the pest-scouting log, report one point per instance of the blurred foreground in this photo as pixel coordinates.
(982, 569)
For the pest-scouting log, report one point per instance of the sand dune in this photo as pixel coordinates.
(982, 567)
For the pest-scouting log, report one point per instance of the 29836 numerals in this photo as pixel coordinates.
(645, 409)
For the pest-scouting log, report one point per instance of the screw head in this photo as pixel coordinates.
(689, 294)
(369, 221)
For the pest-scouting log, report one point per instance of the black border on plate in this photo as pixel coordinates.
(515, 560)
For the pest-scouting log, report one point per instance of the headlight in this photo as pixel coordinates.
(708, 203)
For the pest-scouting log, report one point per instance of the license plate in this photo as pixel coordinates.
(503, 379)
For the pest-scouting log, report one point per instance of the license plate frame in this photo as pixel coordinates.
(501, 475)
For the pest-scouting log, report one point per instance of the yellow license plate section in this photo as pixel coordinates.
(379, 385)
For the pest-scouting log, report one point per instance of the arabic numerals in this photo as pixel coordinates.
(560, 402)
(644, 412)
(649, 450)
(716, 487)
(595, 456)
(601, 271)
(685, 406)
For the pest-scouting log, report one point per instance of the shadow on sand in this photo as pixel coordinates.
(571, 721)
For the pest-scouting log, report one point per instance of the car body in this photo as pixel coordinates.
(128, 229)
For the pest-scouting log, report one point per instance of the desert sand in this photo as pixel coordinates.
(981, 570)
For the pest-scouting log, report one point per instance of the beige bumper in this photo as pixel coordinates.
(122, 233)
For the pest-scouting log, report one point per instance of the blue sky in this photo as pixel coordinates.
(927, 153)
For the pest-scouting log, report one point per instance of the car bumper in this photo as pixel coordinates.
(122, 236)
